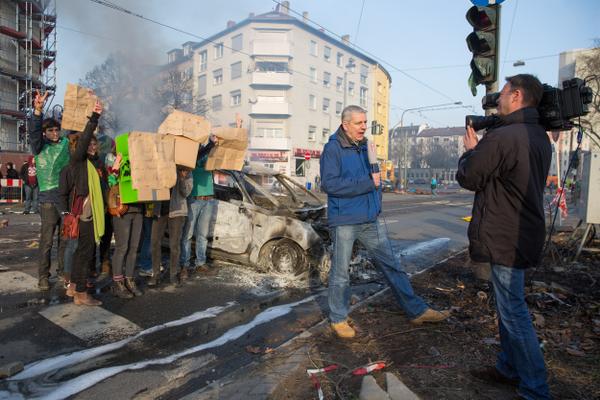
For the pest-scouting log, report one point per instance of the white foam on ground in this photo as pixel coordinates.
(17, 282)
(89, 379)
(424, 247)
(64, 360)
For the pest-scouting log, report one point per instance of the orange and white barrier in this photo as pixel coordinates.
(11, 191)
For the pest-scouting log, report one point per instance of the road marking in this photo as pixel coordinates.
(16, 282)
(90, 322)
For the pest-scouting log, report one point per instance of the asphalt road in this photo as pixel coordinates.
(171, 342)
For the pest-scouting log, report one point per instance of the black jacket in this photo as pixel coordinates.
(74, 177)
(507, 170)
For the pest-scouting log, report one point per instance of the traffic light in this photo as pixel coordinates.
(483, 43)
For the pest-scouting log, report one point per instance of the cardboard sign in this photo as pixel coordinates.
(79, 104)
(231, 150)
(186, 152)
(128, 193)
(152, 159)
(191, 126)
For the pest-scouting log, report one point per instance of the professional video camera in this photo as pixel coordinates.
(557, 108)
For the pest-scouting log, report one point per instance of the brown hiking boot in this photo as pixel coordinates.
(343, 330)
(44, 284)
(130, 283)
(431, 315)
(106, 271)
(85, 299)
(183, 276)
(121, 291)
(70, 289)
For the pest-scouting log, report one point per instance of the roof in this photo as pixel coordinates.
(277, 17)
(449, 131)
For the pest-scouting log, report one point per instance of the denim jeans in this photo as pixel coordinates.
(520, 356)
(198, 225)
(51, 222)
(145, 258)
(31, 198)
(158, 231)
(70, 247)
(373, 236)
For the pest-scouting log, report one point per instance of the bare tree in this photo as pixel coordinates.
(175, 90)
(590, 71)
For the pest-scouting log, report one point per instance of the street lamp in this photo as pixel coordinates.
(405, 155)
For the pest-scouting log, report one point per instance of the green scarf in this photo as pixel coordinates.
(96, 201)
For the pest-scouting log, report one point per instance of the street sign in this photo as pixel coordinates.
(484, 3)
(307, 156)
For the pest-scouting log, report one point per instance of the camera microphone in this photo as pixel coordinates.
(372, 155)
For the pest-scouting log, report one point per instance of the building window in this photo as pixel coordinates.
(203, 60)
(363, 96)
(202, 85)
(236, 70)
(313, 48)
(379, 88)
(351, 64)
(313, 74)
(326, 104)
(326, 79)
(300, 166)
(338, 107)
(269, 130)
(351, 88)
(217, 103)
(339, 84)
(218, 50)
(236, 43)
(271, 66)
(327, 53)
(325, 134)
(188, 73)
(172, 57)
(218, 76)
(379, 108)
(340, 60)
(312, 101)
(312, 132)
(236, 98)
(364, 73)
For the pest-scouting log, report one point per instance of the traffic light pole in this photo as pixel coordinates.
(493, 87)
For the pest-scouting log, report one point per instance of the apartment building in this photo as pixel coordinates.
(27, 54)
(288, 81)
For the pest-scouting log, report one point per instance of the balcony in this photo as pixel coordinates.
(271, 48)
(271, 79)
(270, 143)
(267, 108)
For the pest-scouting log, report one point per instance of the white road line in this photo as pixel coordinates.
(16, 282)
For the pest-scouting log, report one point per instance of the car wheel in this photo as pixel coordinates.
(284, 257)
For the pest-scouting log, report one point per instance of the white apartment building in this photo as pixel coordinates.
(287, 80)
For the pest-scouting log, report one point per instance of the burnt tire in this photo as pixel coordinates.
(283, 257)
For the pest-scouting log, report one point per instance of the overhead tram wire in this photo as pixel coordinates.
(512, 23)
(382, 61)
(124, 10)
(359, 20)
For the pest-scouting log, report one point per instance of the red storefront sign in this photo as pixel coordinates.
(303, 152)
(269, 156)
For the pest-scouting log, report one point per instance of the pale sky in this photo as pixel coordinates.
(424, 39)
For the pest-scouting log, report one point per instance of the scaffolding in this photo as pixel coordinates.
(27, 64)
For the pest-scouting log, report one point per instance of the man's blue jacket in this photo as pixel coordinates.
(346, 178)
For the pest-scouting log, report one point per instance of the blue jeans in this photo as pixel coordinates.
(373, 236)
(145, 258)
(70, 247)
(198, 225)
(520, 356)
(31, 198)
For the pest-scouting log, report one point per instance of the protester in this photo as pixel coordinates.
(81, 195)
(30, 186)
(127, 230)
(434, 184)
(200, 208)
(507, 170)
(11, 172)
(144, 262)
(51, 156)
(174, 214)
(354, 204)
(105, 161)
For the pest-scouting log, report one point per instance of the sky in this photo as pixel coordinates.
(420, 43)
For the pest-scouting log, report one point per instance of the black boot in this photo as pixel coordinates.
(121, 291)
(130, 283)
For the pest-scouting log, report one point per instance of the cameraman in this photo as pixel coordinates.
(507, 170)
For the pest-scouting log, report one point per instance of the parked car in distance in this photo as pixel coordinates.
(387, 185)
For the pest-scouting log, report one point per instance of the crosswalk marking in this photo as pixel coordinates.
(12, 282)
(90, 323)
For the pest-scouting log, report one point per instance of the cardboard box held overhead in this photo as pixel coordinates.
(79, 104)
(231, 150)
(189, 131)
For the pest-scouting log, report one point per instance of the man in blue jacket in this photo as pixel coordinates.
(354, 204)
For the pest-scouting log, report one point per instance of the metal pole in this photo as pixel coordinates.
(345, 88)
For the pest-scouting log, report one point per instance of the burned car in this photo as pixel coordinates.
(265, 219)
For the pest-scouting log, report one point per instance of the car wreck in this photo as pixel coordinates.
(268, 221)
